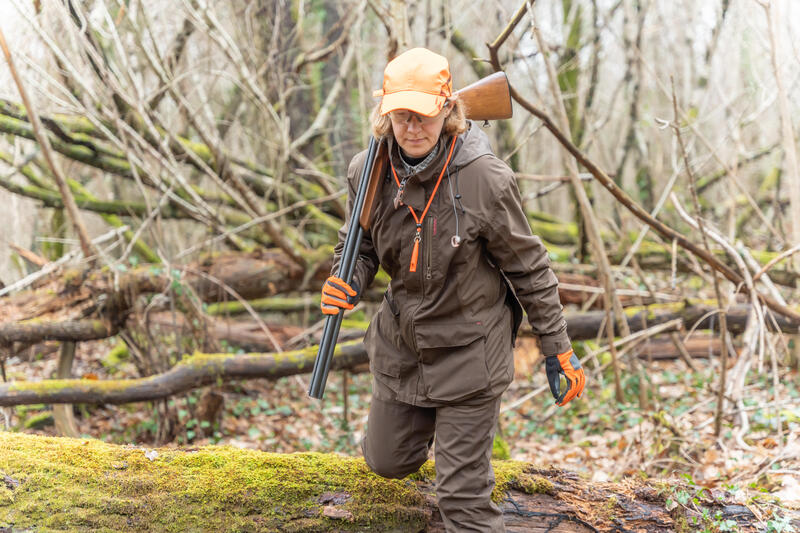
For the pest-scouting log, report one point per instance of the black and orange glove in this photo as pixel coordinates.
(336, 295)
(565, 364)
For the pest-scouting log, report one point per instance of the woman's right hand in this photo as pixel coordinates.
(568, 365)
(336, 295)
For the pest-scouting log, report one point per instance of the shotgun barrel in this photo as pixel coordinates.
(352, 241)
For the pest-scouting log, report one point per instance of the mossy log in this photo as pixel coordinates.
(68, 330)
(262, 273)
(192, 372)
(82, 485)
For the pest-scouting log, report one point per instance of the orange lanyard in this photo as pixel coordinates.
(418, 235)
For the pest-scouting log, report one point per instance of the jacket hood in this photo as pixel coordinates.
(471, 145)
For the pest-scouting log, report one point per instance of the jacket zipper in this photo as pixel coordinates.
(428, 247)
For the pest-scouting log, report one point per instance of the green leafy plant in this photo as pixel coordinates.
(780, 525)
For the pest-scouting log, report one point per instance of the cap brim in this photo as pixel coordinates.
(423, 103)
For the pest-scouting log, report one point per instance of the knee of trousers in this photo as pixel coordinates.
(389, 465)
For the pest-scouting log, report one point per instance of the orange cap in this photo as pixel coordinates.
(418, 80)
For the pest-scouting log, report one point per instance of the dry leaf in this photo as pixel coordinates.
(332, 511)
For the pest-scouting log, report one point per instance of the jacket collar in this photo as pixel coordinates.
(470, 145)
(430, 171)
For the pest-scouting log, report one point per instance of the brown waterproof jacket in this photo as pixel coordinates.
(444, 334)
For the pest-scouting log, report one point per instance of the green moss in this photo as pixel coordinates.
(500, 448)
(680, 523)
(88, 485)
(508, 474)
(354, 323)
(39, 421)
(118, 355)
(564, 233)
(49, 386)
(277, 304)
(533, 484)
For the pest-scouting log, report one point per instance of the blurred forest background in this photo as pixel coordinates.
(181, 189)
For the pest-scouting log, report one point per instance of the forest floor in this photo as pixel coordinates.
(594, 436)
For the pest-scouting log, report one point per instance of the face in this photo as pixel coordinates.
(417, 134)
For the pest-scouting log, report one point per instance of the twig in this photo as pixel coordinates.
(783, 255)
(684, 353)
(47, 152)
(50, 267)
(545, 177)
(754, 265)
(227, 288)
(787, 130)
(516, 403)
(621, 292)
(258, 220)
(723, 326)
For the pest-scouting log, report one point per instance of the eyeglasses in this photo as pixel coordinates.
(404, 116)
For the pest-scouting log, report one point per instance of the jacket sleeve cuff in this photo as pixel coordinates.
(555, 344)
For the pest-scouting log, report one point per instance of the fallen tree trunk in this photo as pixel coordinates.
(68, 330)
(192, 372)
(699, 316)
(215, 488)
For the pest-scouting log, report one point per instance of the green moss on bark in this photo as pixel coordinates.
(88, 485)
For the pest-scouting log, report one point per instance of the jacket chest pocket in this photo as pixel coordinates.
(452, 360)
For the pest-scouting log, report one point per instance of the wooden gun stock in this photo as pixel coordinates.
(488, 98)
(375, 177)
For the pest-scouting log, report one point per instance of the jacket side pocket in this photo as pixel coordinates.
(388, 354)
(452, 360)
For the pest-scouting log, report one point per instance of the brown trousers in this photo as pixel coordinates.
(396, 444)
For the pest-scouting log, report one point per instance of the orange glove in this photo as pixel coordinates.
(565, 364)
(336, 295)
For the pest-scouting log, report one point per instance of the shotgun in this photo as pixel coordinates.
(487, 99)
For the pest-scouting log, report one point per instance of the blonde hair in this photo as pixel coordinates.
(454, 124)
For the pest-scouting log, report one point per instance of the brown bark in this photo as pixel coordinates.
(579, 506)
(62, 414)
(560, 501)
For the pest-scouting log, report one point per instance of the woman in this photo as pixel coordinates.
(450, 231)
